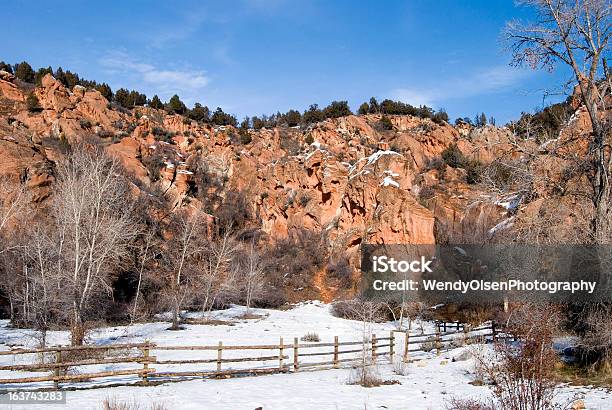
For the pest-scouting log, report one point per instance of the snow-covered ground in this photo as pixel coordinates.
(428, 384)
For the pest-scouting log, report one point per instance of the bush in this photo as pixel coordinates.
(245, 137)
(365, 376)
(384, 124)
(428, 344)
(453, 157)
(85, 123)
(474, 171)
(33, 104)
(310, 337)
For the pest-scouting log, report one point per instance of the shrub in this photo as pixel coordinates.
(440, 117)
(474, 171)
(85, 123)
(105, 134)
(310, 337)
(365, 376)
(426, 192)
(33, 104)
(428, 344)
(245, 137)
(384, 124)
(453, 157)
(154, 163)
(309, 139)
(304, 200)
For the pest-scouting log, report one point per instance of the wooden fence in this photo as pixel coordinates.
(66, 363)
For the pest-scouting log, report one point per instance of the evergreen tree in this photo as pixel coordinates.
(156, 103)
(122, 97)
(199, 113)
(374, 107)
(313, 114)
(175, 105)
(105, 90)
(292, 118)
(258, 123)
(137, 99)
(71, 79)
(221, 118)
(363, 109)
(40, 74)
(6, 67)
(337, 109)
(60, 75)
(24, 72)
(32, 103)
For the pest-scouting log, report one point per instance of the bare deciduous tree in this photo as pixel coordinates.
(185, 249)
(218, 271)
(93, 216)
(251, 275)
(576, 33)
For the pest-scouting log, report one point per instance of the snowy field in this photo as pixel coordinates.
(428, 384)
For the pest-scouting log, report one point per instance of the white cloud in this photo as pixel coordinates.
(161, 81)
(484, 82)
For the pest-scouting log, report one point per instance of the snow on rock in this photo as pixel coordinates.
(388, 181)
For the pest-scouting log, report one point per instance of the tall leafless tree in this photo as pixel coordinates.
(93, 216)
(187, 244)
(576, 34)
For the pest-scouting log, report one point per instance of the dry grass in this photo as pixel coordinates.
(310, 337)
(115, 404)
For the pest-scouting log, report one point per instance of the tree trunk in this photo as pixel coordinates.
(175, 319)
(77, 330)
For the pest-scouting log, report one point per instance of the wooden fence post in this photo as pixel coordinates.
(493, 330)
(295, 354)
(336, 352)
(219, 355)
(58, 360)
(280, 355)
(373, 348)
(437, 341)
(406, 343)
(145, 365)
(465, 334)
(391, 345)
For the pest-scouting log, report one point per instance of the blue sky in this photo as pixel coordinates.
(259, 56)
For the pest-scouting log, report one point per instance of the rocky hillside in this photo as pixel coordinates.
(351, 179)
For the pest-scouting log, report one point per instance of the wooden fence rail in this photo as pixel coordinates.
(285, 356)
